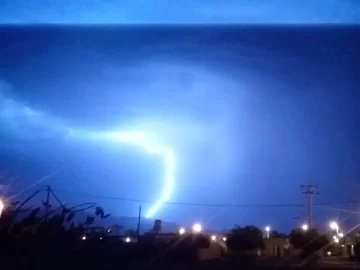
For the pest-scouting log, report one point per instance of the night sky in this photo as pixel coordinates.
(180, 11)
(252, 112)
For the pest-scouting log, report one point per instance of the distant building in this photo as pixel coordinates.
(116, 229)
(215, 251)
(346, 247)
(278, 247)
(94, 230)
(274, 247)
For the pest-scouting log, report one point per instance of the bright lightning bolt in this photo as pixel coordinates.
(167, 154)
(14, 114)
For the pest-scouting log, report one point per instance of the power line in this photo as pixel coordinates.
(200, 204)
(203, 204)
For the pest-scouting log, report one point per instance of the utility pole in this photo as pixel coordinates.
(47, 203)
(310, 190)
(138, 225)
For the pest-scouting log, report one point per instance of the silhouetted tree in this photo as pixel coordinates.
(308, 241)
(277, 234)
(201, 241)
(247, 238)
(157, 226)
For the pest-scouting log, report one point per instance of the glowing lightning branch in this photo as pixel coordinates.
(168, 155)
(14, 114)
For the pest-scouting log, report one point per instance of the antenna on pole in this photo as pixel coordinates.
(138, 225)
(47, 204)
(310, 190)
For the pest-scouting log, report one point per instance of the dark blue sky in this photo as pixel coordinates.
(251, 112)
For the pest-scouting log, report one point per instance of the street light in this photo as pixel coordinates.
(213, 237)
(305, 227)
(83, 238)
(127, 239)
(2, 206)
(267, 229)
(340, 234)
(334, 226)
(182, 231)
(224, 239)
(197, 228)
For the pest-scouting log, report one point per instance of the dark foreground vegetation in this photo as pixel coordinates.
(47, 238)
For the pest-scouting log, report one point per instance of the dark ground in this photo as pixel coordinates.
(228, 265)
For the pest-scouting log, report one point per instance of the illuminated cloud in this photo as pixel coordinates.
(158, 121)
(167, 154)
(22, 121)
(17, 119)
